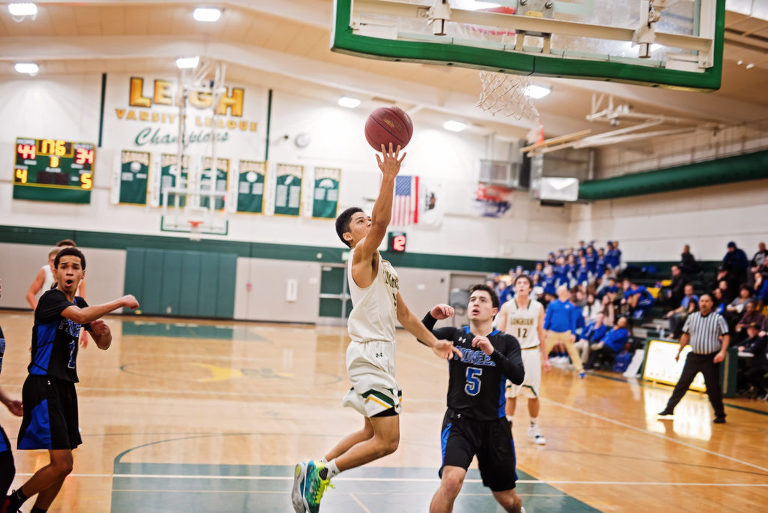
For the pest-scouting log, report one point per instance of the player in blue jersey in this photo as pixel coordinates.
(50, 403)
(475, 423)
(7, 469)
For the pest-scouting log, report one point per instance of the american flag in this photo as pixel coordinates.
(405, 207)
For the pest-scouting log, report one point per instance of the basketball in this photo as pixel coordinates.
(388, 125)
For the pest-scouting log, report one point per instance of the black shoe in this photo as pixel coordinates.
(719, 420)
(665, 413)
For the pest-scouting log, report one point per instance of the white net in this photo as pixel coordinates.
(504, 94)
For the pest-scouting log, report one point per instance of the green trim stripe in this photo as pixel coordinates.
(379, 395)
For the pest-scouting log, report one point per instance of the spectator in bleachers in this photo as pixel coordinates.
(718, 301)
(758, 261)
(591, 307)
(508, 290)
(754, 345)
(735, 308)
(612, 255)
(610, 345)
(551, 260)
(591, 258)
(727, 284)
(751, 315)
(560, 323)
(577, 298)
(582, 274)
(601, 263)
(549, 282)
(561, 272)
(688, 264)
(735, 262)
(673, 295)
(678, 316)
(637, 298)
(592, 333)
(761, 290)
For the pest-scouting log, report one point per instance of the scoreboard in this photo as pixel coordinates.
(53, 170)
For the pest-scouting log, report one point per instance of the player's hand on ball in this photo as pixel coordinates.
(390, 160)
(441, 312)
(484, 344)
(15, 407)
(445, 350)
(130, 302)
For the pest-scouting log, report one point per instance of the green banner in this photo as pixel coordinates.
(222, 180)
(325, 197)
(288, 190)
(134, 177)
(172, 176)
(250, 186)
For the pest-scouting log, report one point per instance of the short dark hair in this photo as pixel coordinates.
(342, 222)
(67, 252)
(489, 290)
(525, 277)
(709, 295)
(66, 242)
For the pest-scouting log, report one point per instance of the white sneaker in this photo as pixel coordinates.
(535, 436)
(299, 476)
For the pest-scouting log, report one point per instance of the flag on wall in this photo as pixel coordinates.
(405, 207)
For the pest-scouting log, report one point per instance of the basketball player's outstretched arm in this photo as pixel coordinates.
(389, 163)
(37, 284)
(442, 348)
(91, 313)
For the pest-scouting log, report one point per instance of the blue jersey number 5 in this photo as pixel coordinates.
(473, 380)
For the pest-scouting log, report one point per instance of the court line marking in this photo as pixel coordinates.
(407, 480)
(359, 503)
(629, 426)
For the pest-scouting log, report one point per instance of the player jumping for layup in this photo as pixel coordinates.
(377, 305)
(474, 423)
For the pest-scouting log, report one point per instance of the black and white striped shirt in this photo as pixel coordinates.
(705, 332)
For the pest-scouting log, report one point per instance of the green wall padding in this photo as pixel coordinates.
(750, 166)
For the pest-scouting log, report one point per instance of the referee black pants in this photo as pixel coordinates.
(705, 364)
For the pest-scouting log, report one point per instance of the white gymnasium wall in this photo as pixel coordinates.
(67, 107)
(655, 227)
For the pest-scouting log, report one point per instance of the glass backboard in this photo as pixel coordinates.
(670, 43)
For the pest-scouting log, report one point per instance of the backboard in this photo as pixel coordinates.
(669, 43)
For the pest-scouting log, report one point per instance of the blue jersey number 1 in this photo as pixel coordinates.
(473, 380)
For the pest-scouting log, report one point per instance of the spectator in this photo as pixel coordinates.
(560, 323)
(735, 262)
(591, 308)
(610, 345)
(755, 374)
(750, 316)
(761, 290)
(673, 295)
(551, 260)
(725, 281)
(591, 259)
(592, 333)
(582, 273)
(754, 345)
(736, 307)
(638, 298)
(688, 264)
(758, 261)
(718, 301)
(687, 306)
(507, 291)
(549, 281)
(613, 255)
(538, 270)
(601, 263)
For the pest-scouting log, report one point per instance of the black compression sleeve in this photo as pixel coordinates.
(511, 364)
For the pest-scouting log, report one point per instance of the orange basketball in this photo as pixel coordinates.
(388, 125)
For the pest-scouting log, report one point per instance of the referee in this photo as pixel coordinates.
(703, 330)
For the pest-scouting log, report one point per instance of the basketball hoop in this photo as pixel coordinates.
(194, 229)
(504, 94)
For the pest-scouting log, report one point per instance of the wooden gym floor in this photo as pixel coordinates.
(201, 416)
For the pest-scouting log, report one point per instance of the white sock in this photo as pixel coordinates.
(332, 469)
(323, 460)
(509, 418)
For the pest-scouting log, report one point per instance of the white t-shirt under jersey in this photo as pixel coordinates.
(522, 323)
(374, 309)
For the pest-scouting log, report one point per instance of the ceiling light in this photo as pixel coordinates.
(750, 65)
(349, 102)
(29, 68)
(187, 62)
(536, 91)
(209, 14)
(22, 9)
(454, 126)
